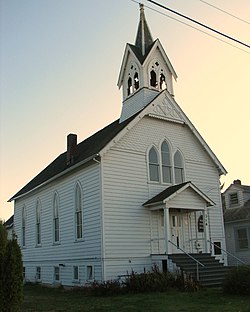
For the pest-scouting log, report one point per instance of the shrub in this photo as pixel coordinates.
(149, 281)
(3, 243)
(237, 281)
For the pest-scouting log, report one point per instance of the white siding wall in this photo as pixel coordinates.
(243, 255)
(126, 222)
(68, 252)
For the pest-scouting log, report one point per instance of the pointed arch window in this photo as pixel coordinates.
(166, 163)
(56, 218)
(78, 212)
(178, 168)
(38, 222)
(153, 165)
(23, 226)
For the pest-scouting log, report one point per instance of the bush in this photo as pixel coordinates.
(237, 281)
(150, 281)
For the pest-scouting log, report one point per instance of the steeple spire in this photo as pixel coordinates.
(143, 38)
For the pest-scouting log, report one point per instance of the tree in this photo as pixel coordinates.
(3, 243)
(11, 280)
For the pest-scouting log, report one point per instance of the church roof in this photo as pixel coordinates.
(86, 150)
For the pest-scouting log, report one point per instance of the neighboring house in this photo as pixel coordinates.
(144, 187)
(9, 225)
(236, 200)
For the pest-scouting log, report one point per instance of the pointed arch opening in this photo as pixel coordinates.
(153, 79)
(56, 218)
(78, 212)
(178, 167)
(153, 161)
(166, 163)
(163, 84)
(130, 88)
(136, 81)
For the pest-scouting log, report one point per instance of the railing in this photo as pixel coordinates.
(191, 257)
(229, 253)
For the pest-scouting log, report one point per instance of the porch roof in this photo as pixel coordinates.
(171, 192)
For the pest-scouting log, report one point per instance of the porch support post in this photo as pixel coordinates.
(206, 227)
(167, 228)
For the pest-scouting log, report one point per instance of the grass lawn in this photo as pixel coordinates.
(37, 298)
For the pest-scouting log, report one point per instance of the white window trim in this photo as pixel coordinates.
(78, 239)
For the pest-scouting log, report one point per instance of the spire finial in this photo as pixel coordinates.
(143, 38)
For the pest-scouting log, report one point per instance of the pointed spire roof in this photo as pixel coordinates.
(144, 38)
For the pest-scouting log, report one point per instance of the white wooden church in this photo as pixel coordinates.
(133, 194)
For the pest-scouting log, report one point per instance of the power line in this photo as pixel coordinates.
(201, 24)
(202, 31)
(213, 6)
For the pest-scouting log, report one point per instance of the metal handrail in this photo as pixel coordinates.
(229, 253)
(197, 261)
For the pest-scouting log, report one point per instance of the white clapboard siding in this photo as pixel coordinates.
(127, 224)
(68, 251)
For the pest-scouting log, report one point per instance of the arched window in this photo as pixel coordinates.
(153, 80)
(136, 81)
(130, 89)
(166, 163)
(178, 168)
(163, 84)
(78, 211)
(23, 225)
(56, 217)
(38, 222)
(153, 165)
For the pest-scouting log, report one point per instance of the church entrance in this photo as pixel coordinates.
(177, 232)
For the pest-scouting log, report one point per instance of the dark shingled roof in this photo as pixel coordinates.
(165, 194)
(238, 214)
(138, 53)
(87, 148)
(9, 222)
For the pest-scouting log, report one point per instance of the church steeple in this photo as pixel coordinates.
(145, 72)
(143, 38)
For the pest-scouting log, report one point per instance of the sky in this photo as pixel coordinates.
(59, 66)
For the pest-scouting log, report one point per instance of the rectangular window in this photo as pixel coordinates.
(76, 273)
(56, 229)
(90, 274)
(233, 198)
(23, 235)
(38, 233)
(38, 273)
(79, 224)
(154, 172)
(242, 238)
(57, 274)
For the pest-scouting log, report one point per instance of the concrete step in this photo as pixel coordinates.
(212, 274)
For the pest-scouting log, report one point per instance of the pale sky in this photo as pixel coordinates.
(60, 61)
